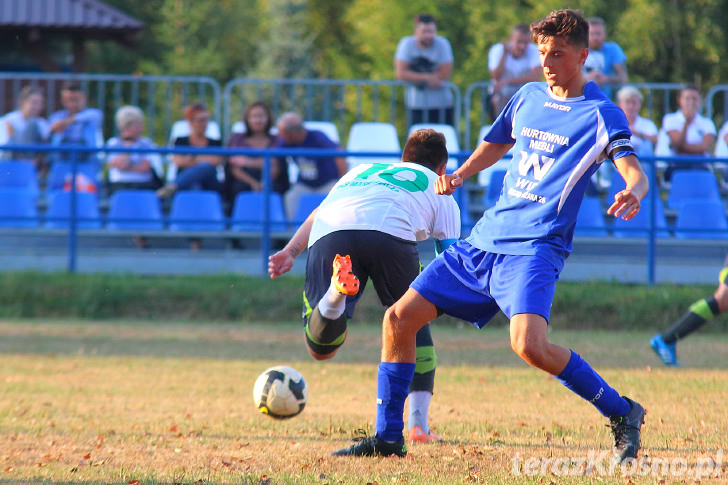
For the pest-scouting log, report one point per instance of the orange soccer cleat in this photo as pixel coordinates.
(417, 436)
(344, 279)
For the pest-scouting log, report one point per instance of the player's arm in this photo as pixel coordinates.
(485, 155)
(627, 202)
(282, 261)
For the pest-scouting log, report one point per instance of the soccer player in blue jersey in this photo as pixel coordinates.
(562, 129)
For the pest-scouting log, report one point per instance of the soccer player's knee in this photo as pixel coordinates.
(393, 323)
(530, 350)
(721, 296)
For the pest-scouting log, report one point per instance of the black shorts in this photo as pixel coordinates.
(391, 263)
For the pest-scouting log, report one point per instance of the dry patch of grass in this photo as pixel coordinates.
(89, 408)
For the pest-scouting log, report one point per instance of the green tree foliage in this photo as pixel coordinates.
(665, 40)
(287, 47)
(110, 57)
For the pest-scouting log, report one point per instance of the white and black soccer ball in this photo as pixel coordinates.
(280, 392)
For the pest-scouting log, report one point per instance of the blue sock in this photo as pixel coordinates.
(393, 380)
(579, 377)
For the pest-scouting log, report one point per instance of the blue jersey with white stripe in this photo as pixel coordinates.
(559, 144)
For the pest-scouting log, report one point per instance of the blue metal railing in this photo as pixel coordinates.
(341, 101)
(162, 98)
(267, 232)
(658, 99)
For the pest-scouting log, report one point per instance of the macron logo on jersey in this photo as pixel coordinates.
(560, 107)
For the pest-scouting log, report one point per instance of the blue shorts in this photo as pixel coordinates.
(473, 285)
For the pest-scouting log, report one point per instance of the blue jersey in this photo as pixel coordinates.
(559, 144)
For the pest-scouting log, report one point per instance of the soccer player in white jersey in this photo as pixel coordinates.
(562, 129)
(374, 216)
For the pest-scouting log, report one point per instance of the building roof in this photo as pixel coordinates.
(65, 15)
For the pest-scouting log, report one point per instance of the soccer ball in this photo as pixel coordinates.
(280, 392)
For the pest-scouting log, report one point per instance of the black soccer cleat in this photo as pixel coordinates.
(373, 446)
(626, 430)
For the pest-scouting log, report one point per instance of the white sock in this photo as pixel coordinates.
(419, 404)
(332, 304)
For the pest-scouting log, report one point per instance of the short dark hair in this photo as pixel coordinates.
(71, 85)
(426, 147)
(268, 113)
(566, 23)
(521, 29)
(424, 18)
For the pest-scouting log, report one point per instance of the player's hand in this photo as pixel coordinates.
(279, 263)
(626, 205)
(446, 184)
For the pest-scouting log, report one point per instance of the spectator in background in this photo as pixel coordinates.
(195, 171)
(25, 126)
(245, 173)
(315, 174)
(512, 64)
(689, 132)
(425, 60)
(644, 131)
(605, 64)
(132, 170)
(76, 124)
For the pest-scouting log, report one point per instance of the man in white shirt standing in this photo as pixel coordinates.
(512, 64)
(689, 132)
(425, 60)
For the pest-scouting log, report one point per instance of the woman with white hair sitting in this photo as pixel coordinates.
(644, 131)
(132, 170)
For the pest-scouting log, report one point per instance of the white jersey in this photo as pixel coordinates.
(398, 199)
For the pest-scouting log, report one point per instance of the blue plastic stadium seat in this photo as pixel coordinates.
(135, 209)
(60, 172)
(639, 225)
(306, 205)
(196, 210)
(18, 175)
(692, 185)
(59, 210)
(590, 219)
(701, 219)
(17, 208)
(248, 212)
(495, 187)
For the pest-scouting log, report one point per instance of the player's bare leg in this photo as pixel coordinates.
(529, 340)
(399, 328)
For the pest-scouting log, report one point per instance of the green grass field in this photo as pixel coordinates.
(146, 402)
